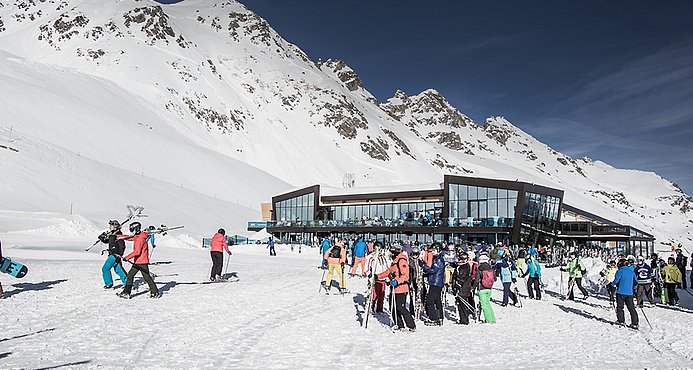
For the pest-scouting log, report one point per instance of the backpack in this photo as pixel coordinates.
(336, 252)
(487, 279)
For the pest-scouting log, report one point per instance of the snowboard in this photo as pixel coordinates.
(13, 268)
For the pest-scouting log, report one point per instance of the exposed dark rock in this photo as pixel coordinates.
(450, 140)
(94, 34)
(443, 164)
(154, 23)
(614, 197)
(90, 54)
(65, 27)
(399, 143)
(343, 72)
(343, 115)
(375, 149)
(2, 25)
(499, 132)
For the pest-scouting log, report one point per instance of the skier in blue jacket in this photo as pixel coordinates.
(534, 272)
(625, 281)
(324, 247)
(436, 281)
(507, 270)
(360, 252)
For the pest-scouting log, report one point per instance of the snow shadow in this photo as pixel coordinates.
(360, 301)
(3, 355)
(230, 275)
(71, 364)
(384, 318)
(584, 313)
(26, 287)
(161, 263)
(26, 335)
(675, 308)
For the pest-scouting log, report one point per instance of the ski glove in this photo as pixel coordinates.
(514, 280)
(393, 283)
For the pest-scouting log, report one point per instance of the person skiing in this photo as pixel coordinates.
(507, 271)
(681, 260)
(485, 279)
(436, 281)
(270, 245)
(217, 247)
(323, 249)
(336, 258)
(533, 270)
(625, 281)
(463, 285)
(643, 272)
(576, 269)
(151, 240)
(116, 248)
(140, 261)
(360, 252)
(609, 274)
(672, 278)
(398, 273)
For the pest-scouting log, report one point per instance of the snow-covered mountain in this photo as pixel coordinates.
(206, 97)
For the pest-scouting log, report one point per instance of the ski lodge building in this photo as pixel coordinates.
(460, 209)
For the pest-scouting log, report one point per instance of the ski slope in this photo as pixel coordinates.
(274, 317)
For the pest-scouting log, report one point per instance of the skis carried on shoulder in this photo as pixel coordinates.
(133, 211)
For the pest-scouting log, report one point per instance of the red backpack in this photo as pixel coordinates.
(487, 279)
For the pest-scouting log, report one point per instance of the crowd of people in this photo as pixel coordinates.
(421, 277)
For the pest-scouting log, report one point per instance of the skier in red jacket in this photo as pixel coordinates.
(140, 261)
(217, 245)
(398, 273)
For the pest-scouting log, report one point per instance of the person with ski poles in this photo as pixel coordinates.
(216, 251)
(463, 285)
(360, 252)
(378, 265)
(116, 249)
(324, 247)
(336, 258)
(643, 273)
(485, 278)
(436, 282)
(139, 258)
(625, 281)
(672, 278)
(506, 269)
(398, 273)
(533, 270)
(576, 270)
(270, 245)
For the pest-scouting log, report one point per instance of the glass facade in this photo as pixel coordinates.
(541, 212)
(478, 206)
(295, 210)
(391, 214)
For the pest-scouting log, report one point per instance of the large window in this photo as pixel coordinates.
(393, 214)
(297, 209)
(475, 206)
(541, 211)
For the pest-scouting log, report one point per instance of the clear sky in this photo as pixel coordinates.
(612, 80)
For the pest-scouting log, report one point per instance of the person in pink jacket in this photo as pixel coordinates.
(217, 246)
(139, 259)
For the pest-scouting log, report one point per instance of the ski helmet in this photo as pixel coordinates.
(463, 256)
(471, 255)
(395, 249)
(222, 231)
(415, 251)
(436, 247)
(377, 245)
(151, 228)
(622, 262)
(135, 227)
(115, 224)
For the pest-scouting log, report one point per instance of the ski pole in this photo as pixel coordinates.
(228, 259)
(646, 319)
(322, 280)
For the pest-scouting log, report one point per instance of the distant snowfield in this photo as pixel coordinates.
(274, 317)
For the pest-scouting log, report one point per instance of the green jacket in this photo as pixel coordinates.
(575, 268)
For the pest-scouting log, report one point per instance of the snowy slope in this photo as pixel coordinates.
(211, 87)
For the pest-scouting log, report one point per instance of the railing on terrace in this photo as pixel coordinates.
(427, 223)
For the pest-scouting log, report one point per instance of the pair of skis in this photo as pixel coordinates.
(133, 211)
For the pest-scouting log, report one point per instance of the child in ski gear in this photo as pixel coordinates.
(436, 281)
(672, 278)
(643, 272)
(608, 275)
(217, 247)
(116, 248)
(398, 273)
(140, 261)
(625, 281)
(360, 252)
(463, 286)
(534, 271)
(485, 280)
(336, 258)
(507, 271)
(270, 245)
(576, 269)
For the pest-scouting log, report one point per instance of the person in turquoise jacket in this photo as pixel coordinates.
(534, 272)
(324, 247)
(626, 282)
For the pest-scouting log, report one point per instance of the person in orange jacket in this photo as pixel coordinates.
(217, 246)
(140, 261)
(336, 258)
(398, 273)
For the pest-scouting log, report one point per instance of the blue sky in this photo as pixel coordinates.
(612, 80)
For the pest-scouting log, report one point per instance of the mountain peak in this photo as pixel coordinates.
(428, 107)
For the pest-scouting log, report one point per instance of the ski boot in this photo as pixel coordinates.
(155, 295)
(108, 286)
(634, 327)
(343, 291)
(123, 295)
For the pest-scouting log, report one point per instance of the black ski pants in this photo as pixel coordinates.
(508, 293)
(683, 277)
(434, 304)
(217, 262)
(144, 269)
(626, 300)
(533, 283)
(272, 251)
(645, 289)
(612, 292)
(573, 282)
(401, 312)
(671, 292)
(465, 307)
